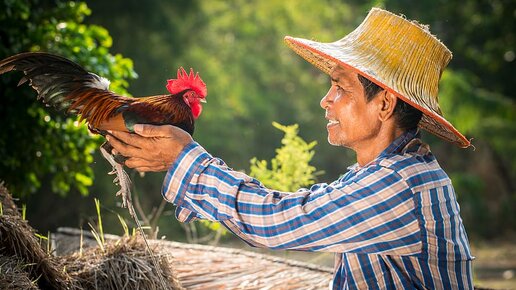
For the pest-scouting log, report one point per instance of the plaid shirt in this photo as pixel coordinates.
(393, 223)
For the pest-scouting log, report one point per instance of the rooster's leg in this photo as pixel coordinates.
(122, 178)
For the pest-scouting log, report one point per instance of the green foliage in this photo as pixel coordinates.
(39, 146)
(24, 211)
(480, 33)
(290, 169)
(474, 209)
(477, 111)
(124, 225)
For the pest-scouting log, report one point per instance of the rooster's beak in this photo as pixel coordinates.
(202, 100)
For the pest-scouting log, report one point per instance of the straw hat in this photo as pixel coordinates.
(399, 55)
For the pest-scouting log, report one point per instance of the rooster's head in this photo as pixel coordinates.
(192, 88)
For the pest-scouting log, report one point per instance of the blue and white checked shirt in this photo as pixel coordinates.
(393, 223)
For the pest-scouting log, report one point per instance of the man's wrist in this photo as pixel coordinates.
(187, 164)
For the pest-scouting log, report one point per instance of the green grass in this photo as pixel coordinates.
(124, 225)
(98, 234)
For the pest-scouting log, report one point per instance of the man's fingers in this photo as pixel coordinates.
(119, 135)
(135, 162)
(123, 148)
(155, 150)
(127, 138)
(151, 169)
(154, 131)
(144, 165)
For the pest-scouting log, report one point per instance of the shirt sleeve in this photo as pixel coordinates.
(370, 213)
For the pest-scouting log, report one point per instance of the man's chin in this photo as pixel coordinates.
(335, 138)
(338, 143)
(333, 142)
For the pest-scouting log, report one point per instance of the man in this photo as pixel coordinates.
(392, 219)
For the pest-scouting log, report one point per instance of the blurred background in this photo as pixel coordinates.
(50, 162)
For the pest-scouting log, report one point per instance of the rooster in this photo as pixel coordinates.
(65, 85)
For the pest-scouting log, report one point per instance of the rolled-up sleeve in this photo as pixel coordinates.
(373, 212)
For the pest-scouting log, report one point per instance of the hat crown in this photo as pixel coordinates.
(401, 54)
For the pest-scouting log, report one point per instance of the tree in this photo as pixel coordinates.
(37, 144)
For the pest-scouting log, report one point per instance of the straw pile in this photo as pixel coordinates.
(13, 274)
(28, 260)
(122, 264)
(201, 267)
(119, 264)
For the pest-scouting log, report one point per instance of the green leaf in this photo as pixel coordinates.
(84, 179)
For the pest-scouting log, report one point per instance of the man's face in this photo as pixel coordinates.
(352, 121)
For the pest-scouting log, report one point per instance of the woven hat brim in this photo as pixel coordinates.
(323, 56)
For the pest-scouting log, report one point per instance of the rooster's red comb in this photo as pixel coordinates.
(186, 81)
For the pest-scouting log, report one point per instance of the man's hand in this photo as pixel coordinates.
(152, 148)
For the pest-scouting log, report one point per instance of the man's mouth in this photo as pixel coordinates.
(332, 123)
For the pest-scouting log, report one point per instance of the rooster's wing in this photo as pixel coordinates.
(67, 86)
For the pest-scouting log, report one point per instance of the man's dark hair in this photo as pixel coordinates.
(406, 116)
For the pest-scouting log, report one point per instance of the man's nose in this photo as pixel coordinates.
(326, 99)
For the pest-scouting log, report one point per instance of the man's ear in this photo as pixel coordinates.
(387, 103)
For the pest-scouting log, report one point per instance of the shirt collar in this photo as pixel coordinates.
(397, 146)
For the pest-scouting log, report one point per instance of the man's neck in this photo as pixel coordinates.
(369, 152)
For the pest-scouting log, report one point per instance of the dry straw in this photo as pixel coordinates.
(19, 243)
(121, 264)
(14, 275)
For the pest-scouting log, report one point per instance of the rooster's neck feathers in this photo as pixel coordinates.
(186, 81)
